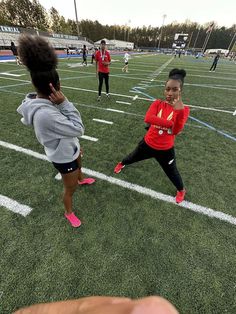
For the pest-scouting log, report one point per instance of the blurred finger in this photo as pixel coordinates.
(52, 88)
(89, 305)
(153, 305)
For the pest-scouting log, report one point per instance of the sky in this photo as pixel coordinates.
(147, 12)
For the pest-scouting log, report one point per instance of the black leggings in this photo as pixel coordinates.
(102, 76)
(213, 67)
(166, 159)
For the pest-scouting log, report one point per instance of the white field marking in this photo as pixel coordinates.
(234, 114)
(135, 97)
(114, 110)
(11, 74)
(211, 109)
(137, 188)
(11, 92)
(14, 206)
(123, 102)
(103, 121)
(122, 95)
(14, 79)
(89, 138)
(147, 82)
(95, 91)
(133, 91)
(14, 85)
(76, 77)
(214, 77)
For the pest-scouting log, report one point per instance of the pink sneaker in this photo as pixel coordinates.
(119, 167)
(180, 196)
(74, 221)
(86, 181)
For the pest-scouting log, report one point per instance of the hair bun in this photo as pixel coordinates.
(177, 73)
(36, 53)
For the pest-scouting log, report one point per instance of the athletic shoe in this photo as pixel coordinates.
(86, 181)
(118, 167)
(74, 221)
(180, 196)
(108, 95)
(99, 98)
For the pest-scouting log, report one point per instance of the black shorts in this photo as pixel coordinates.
(67, 167)
(126, 63)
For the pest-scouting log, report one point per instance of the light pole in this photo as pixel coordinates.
(129, 21)
(164, 16)
(196, 39)
(76, 17)
(231, 42)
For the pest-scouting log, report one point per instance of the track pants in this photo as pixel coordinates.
(102, 76)
(166, 159)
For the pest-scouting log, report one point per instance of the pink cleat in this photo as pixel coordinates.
(119, 167)
(86, 181)
(180, 196)
(74, 221)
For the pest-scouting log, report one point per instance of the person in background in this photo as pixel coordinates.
(215, 62)
(126, 59)
(93, 55)
(15, 52)
(84, 55)
(57, 123)
(103, 60)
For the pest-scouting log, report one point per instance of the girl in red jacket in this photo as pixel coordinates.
(166, 119)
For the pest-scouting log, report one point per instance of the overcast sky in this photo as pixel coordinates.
(148, 12)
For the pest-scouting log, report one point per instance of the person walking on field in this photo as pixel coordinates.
(84, 53)
(126, 59)
(103, 60)
(57, 123)
(215, 62)
(15, 52)
(166, 119)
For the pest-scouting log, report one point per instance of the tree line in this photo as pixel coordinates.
(31, 14)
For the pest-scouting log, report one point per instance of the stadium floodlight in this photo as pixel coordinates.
(76, 16)
(159, 43)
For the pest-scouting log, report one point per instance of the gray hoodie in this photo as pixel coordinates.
(56, 126)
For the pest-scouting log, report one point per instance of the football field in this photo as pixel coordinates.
(134, 240)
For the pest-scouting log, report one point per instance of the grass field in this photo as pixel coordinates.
(131, 243)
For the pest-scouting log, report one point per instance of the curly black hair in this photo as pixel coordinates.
(177, 74)
(40, 59)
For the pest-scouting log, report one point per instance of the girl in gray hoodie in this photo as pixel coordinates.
(57, 123)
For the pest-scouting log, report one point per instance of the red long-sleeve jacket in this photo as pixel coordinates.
(166, 122)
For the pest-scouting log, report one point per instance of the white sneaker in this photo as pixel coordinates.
(99, 98)
(108, 95)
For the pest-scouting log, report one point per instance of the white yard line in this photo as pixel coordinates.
(103, 121)
(14, 85)
(89, 138)
(137, 188)
(14, 206)
(123, 102)
(11, 74)
(114, 110)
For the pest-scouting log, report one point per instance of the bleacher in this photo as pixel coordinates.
(58, 41)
